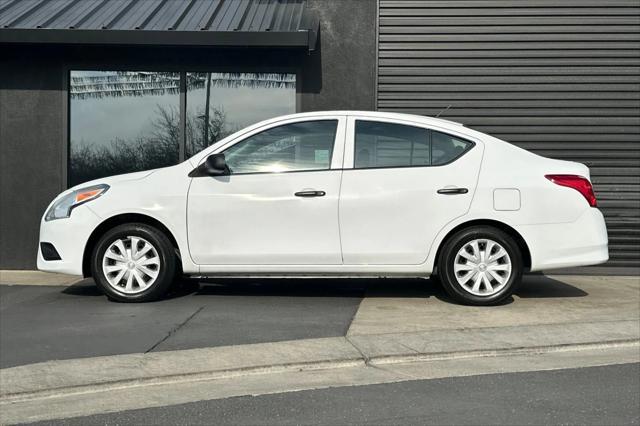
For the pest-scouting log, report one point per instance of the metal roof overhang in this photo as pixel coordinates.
(300, 39)
(242, 23)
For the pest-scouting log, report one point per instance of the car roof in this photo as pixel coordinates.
(375, 114)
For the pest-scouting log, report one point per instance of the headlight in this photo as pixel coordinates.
(62, 207)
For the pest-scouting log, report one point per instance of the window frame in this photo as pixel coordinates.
(349, 160)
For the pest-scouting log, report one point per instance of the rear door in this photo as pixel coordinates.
(402, 183)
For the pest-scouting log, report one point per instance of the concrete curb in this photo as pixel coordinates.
(88, 375)
(55, 377)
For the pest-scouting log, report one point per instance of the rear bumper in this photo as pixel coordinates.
(564, 245)
(69, 237)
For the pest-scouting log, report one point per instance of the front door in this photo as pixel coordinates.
(402, 183)
(279, 204)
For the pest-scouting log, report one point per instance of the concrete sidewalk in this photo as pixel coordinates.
(12, 277)
(552, 322)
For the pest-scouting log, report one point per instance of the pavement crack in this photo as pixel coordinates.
(175, 329)
(409, 348)
(394, 372)
(364, 357)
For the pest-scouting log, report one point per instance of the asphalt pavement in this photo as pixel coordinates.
(596, 395)
(41, 323)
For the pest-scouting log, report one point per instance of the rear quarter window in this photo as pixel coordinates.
(446, 148)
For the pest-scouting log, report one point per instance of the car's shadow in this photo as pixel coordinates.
(540, 286)
(533, 287)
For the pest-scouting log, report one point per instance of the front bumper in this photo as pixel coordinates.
(69, 236)
(565, 245)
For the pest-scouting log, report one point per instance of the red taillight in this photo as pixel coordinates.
(579, 183)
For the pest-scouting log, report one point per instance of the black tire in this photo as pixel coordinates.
(167, 268)
(448, 256)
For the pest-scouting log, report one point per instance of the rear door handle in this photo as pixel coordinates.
(310, 194)
(452, 191)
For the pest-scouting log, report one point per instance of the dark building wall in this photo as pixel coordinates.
(340, 74)
(31, 154)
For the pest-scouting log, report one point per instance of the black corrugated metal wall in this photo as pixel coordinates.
(560, 78)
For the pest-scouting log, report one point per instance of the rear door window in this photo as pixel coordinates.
(381, 144)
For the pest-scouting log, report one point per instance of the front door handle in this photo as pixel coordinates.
(453, 191)
(310, 194)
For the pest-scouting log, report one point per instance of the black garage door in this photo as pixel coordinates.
(560, 78)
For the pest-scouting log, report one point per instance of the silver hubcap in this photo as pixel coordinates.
(482, 267)
(131, 264)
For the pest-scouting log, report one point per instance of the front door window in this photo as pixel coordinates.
(301, 146)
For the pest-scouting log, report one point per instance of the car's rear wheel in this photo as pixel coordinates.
(480, 266)
(134, 263)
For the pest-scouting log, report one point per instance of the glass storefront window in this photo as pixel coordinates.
(219, 104)
(127, 121)
(122, 122)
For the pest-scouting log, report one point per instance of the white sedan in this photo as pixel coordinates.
(340, 193)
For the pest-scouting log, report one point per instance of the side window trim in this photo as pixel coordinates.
(350, 146)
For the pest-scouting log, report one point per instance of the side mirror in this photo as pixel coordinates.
(214, 165)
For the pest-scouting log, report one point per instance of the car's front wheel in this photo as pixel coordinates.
(480, 266)
(134, 263)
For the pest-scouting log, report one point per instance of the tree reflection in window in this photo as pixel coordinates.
(122, 122)
(127, 121)
(219, 104)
